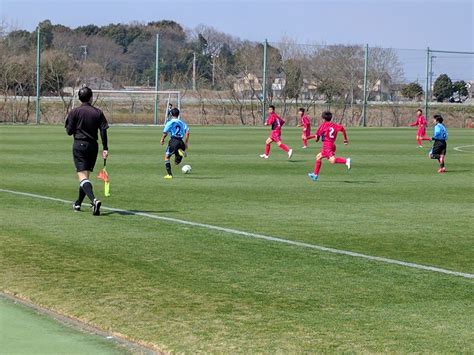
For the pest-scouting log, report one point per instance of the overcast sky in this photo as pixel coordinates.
(389, 23)
(402, 24)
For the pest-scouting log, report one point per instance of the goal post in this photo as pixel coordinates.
(134, 106)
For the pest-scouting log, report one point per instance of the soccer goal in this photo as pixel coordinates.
(135, 106)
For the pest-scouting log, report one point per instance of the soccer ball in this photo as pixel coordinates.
(186, 169)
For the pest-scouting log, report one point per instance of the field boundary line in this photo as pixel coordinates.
(458, 149)
(261, 236)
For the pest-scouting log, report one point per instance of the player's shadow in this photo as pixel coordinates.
(361, 182)
(134, 212)
(204, 177)
(457, 171)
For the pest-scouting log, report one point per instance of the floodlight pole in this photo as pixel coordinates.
(264, 83)
(157, 77)
(194, 71)
(366, 69)
(431, 77)
(427, 88)
(38, 75)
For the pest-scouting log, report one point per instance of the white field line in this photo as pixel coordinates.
(261, 236)
(459, 149)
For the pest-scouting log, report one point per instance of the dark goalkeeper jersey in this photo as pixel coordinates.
(85, 121)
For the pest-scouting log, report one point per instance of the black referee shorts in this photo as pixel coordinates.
(85, 155)
(439, 148)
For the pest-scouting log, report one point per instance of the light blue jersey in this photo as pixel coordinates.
(440, 132)
(176, 128)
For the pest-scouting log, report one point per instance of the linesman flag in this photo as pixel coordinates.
(103, 175)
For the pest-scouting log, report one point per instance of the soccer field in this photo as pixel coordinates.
(231, 258)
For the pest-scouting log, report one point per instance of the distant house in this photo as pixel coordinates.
(381, 90)
(278, 85)
(470, 89)
(93, 82)
(96, 83)
(309, 91)
(248, 86)
(397, 89)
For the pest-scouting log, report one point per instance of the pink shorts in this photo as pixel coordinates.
(275, 136)
(328, 152)
(421, 132)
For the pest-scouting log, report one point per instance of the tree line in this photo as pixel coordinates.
(124, 54)
(204, 58)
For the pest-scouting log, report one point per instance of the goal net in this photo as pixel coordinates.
(135, 106)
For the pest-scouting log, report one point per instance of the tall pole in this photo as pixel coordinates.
(366, 70)
(213, 57)
(431, 77)
(427, 81)
(264, 81)
(157, 77)
(194, 71)
(38, 75)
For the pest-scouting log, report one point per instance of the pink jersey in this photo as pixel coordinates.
(276, 122)
(328, 132)
(420, 122)
(306, 123)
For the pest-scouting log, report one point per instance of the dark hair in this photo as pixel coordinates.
(175, 112)
(272, 107)
(85, 94)
(438, 118)
(326, 115)
(301, 110)
(419, 110)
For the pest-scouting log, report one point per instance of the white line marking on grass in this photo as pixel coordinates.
(459, 149)
(261, 236)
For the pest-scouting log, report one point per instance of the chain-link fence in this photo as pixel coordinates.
(223, 80)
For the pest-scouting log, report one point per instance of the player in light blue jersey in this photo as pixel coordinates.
(440, 136)
(179, 133)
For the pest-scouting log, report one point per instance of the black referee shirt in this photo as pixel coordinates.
(85, 121)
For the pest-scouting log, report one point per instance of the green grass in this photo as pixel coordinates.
(190, 289)
(25, 331)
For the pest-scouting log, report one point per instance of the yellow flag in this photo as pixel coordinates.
(106, 188)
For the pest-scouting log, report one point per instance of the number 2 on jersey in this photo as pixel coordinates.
(331, 132)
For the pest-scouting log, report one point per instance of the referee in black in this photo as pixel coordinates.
(83, 123)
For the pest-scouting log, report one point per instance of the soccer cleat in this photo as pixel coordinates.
(182, 153)
(290, 153)
(96, 207)
(441, 170)
(264, 156)
(168, 176)
(420, 146)
(313, 176)
(304, 147)
(348, 163)
(76, 207)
